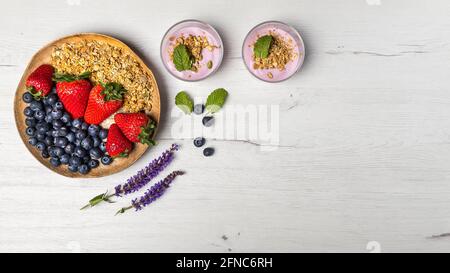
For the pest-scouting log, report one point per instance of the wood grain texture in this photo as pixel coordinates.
(43, 56)
(364, 134)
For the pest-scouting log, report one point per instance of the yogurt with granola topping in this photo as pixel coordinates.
(285, 54)
(200, 43)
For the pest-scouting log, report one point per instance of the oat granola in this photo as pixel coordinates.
(281, 52)
(107, 63)
(195, 45)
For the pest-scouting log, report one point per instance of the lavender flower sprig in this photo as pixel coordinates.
(152, 194)
(139, 180)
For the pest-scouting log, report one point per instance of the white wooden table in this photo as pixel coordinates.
(363, 160)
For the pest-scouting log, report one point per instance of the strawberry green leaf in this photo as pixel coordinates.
(184, 102)
(216, 100)
(59, 77)
(113, 91)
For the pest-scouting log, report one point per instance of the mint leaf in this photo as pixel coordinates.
(184, 102)
(216, 100)
(262, 46)
(182, 59)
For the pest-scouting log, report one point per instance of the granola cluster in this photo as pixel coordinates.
(281, 52)
(107, 63)
(195, 45)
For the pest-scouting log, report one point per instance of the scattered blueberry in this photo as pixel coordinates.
(61, 142)
(36, 105)
(48, 140)
(40, 137)
(42, 127)
(75, 161)
(66, 118)
(57, 123)
(27, 97)
(103, 133)
(93, 163)
(208, 121)
(48, 118)
(199, 108)
(208, 151)
(63, 131)
(28, 112)
(73, 168)
(93, 130)
(87, 143)
(30, 122)
(96, 141)
(45, 154)
(55, 162)
(84, 126)
(54, 133)
(58, 105)
(70, 148)
(58, 151)
(39, 114)
(33, 141)
(81, 135)
(106, 160)
(65, 159)
(83, 169)
(103, 146)
(95, 153)
(56, 114)
(199, 141)
(80, 152)
(41, 146)
(71, 137)
(30, 131)
(77, 123)
(51, 99)
(77, 142)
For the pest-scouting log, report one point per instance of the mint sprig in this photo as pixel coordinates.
(262, 46)
(216, 100)
(182, 59)
(184, 102)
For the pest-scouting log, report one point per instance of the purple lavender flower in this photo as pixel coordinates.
(139, 180)
(153, 193)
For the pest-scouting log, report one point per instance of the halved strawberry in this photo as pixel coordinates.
(39, 82)
(73, 91)
(137, 127)
(104, 100)
(117, 145)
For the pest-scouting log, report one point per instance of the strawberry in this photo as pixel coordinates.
(73, 91)
(104, 100)
(117, 145)
(39, 82)
(137, 127)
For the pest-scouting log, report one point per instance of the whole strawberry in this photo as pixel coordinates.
(73, 91)
(104, 100)
(39, 82)
(117, 145)
(137, 127)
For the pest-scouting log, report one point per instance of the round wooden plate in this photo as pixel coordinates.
(43, 56)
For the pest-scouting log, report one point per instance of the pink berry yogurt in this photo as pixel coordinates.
(287, 33)
(195, 28)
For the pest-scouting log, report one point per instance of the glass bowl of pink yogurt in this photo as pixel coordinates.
(285, 32)
(211, 60)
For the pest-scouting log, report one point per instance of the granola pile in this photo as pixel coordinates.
(195, 45)
(107, 63)
(281, 52)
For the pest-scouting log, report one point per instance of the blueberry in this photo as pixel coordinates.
(81, 135)
(87, 143)
(93, 130)
(208, 151)
(56, 114)
(61, 142)
(63, 131)
(58, 151)
(93, 163)
(199, 108)
(96, 141)
(103, 133)
(86, 159)
(58, 105)
(41, 146)
(48, 118)
(83, 169)
(77, 123)
(30, 131)
(73, 168)
(28, 112)
(66, 118)
(75, 161)
(208, 121)
(70, 137)
(27, 97)
(199, 141)
(70, 148)
(52, 99)
(57, 123)
(55, 162)
(95, 153)
(33, 141)
(40, 137)
(42, 127)
(106, 160)
(48, 140)
(54, 133)
(103, 146)
(84, 126)
(39, 114)
(77, 142)
(80, 152)
(45, 154)
(65, 159)
(31, 122)
(36, 105)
